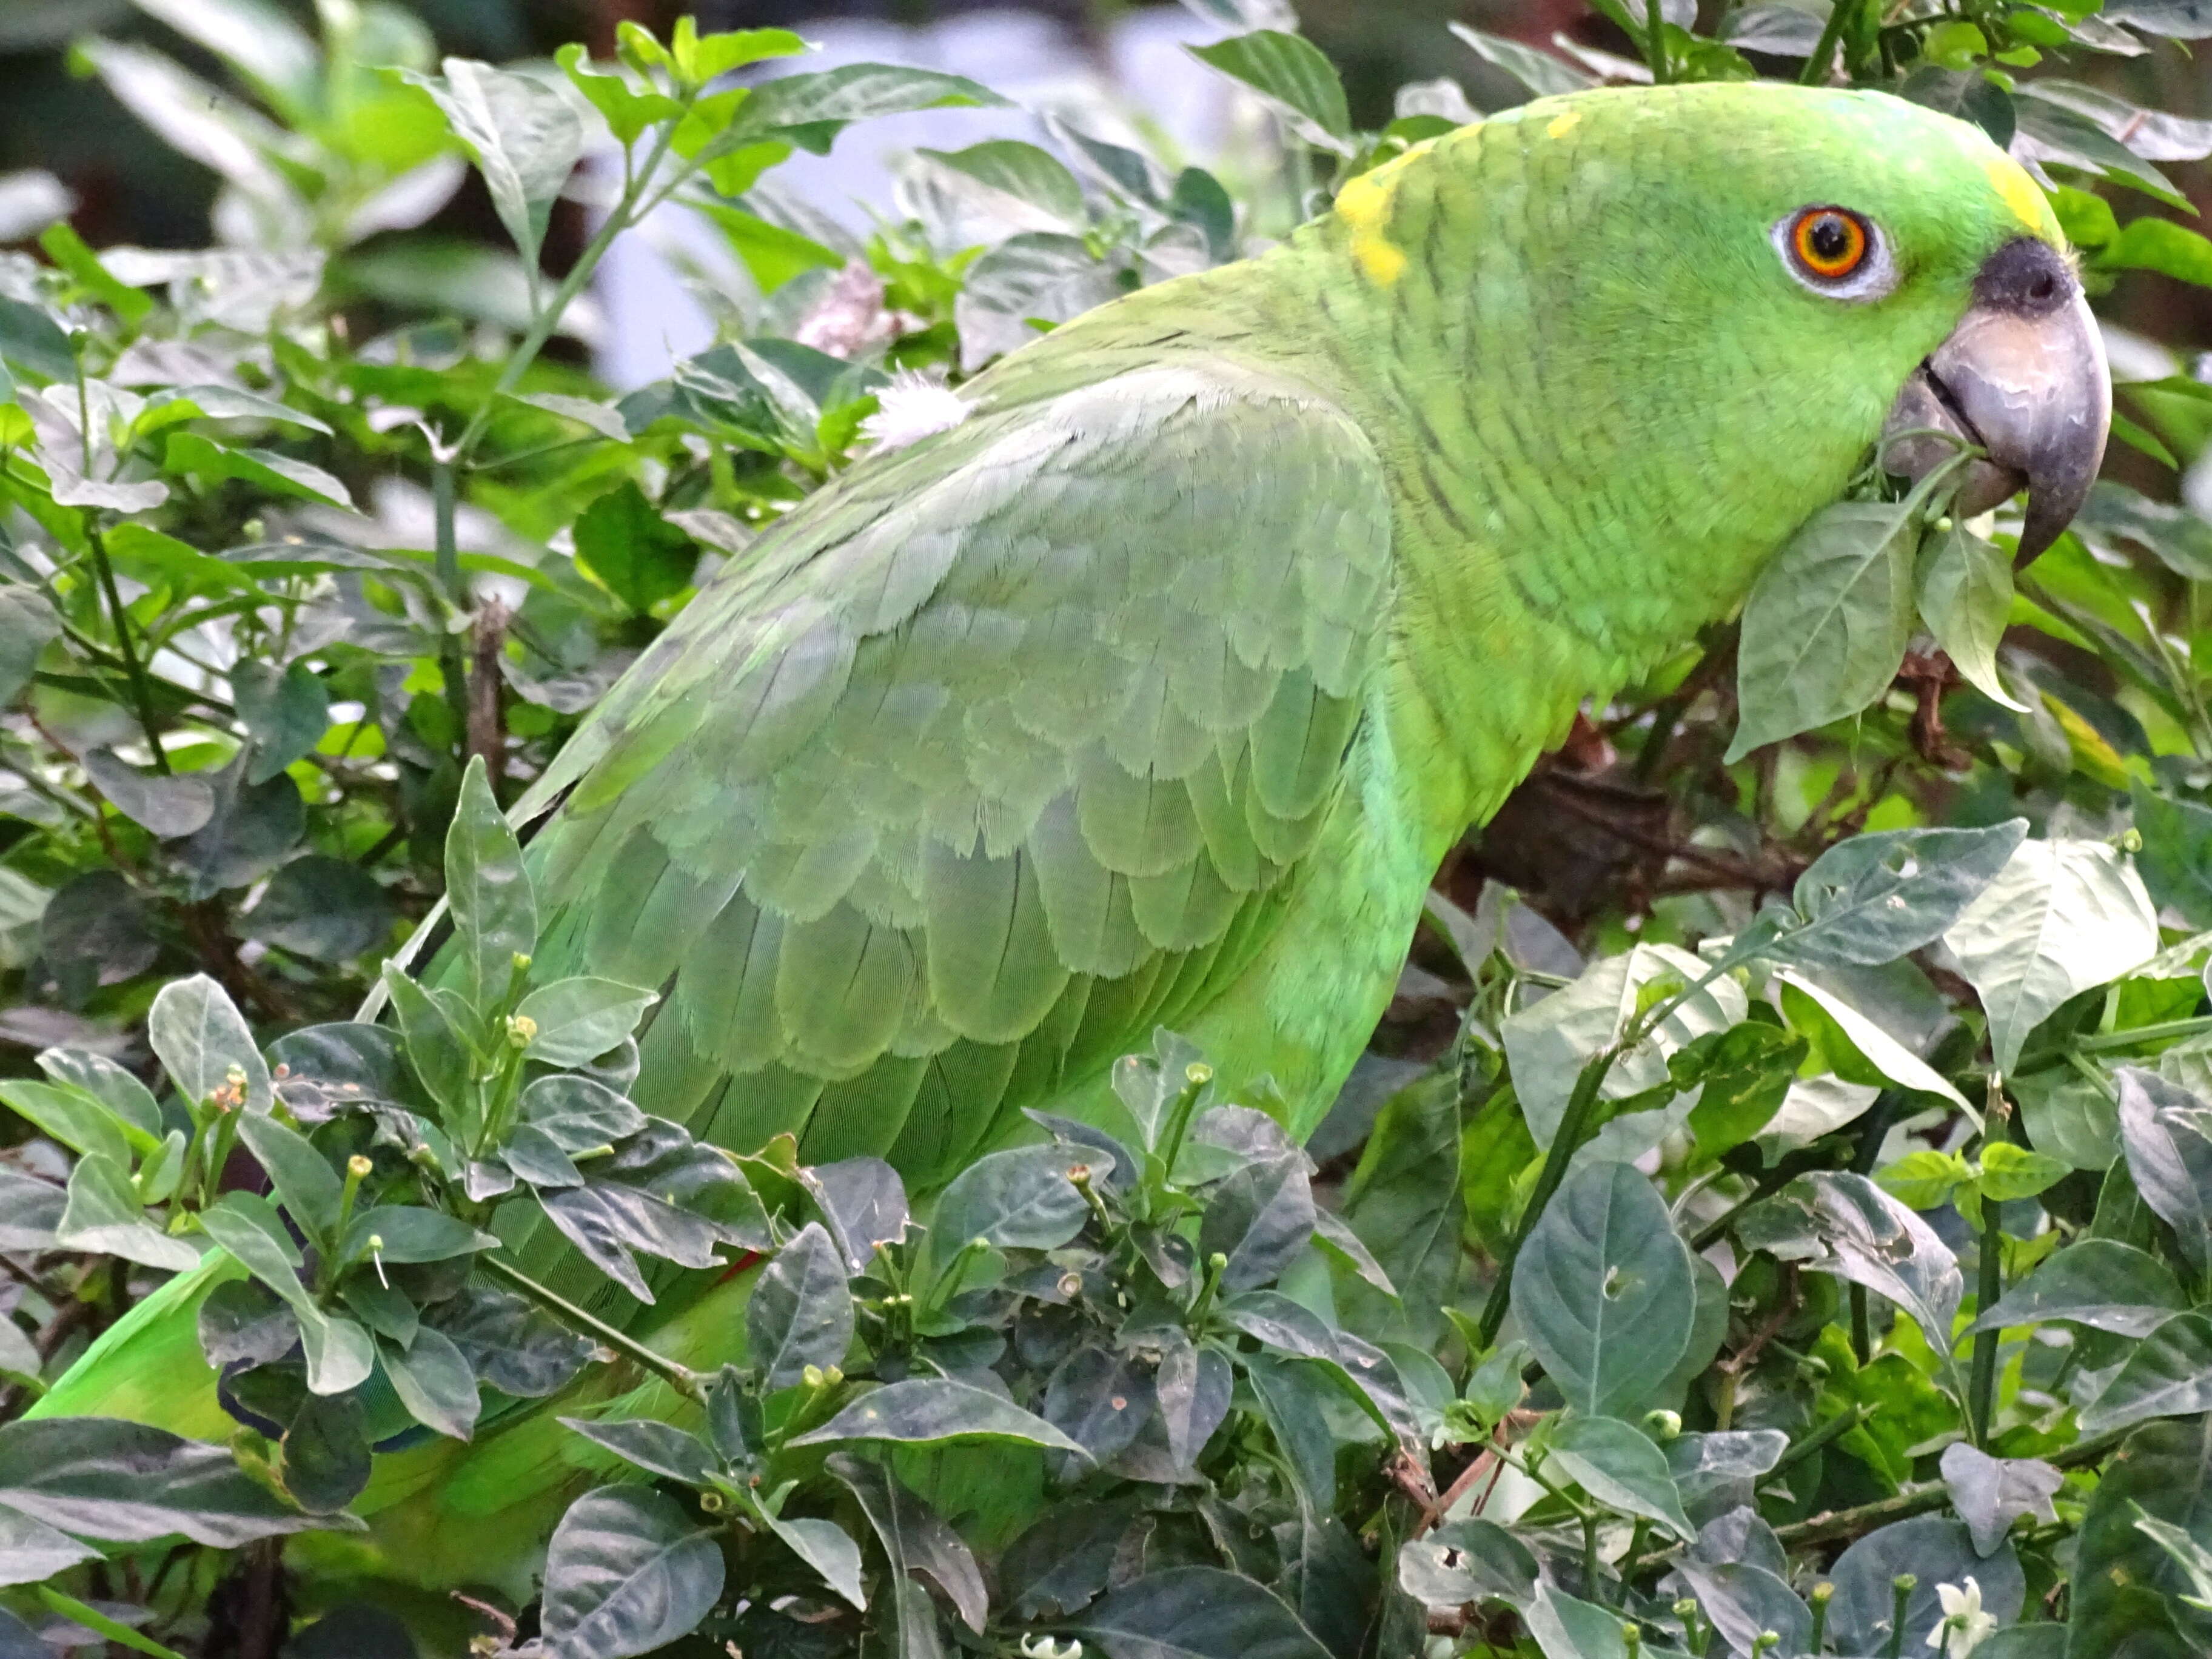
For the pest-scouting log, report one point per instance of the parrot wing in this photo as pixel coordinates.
(1000, 751)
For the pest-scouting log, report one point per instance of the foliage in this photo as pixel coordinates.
(1812, 1270)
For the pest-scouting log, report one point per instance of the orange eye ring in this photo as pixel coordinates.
(1829, 243)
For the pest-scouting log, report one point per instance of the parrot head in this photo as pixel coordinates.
(1796, 274)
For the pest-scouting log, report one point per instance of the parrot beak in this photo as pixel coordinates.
(2022, 378)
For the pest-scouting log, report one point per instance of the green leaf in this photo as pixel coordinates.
(700, 58)
(495, 910)
(1262, 1218)
(324, 909)
(1567, 1627)
(914, 1537)
(581, 1018)
(2169, 1374)
(200, 1039)
(2161, 246)
(28, 623)
(286, 712)
(1844, 1224)
(2166, 1135)
(31, 1550)
(772, 252)
(628, 113)
(439, 1051)
(2176, 860)
(935, 1410)
(32, 342)
(2097, 1282)
(2050, 135)
(1741, 1075)
(2061, 917)
(112, 1630)
(2069, 1116)
(1543, 75)
(1990, 1494)
(203, 458)
(1019, 1199)
(1603, 1289)
(660, 1449)
(2125, 1588)
(102, 1478)
(638, 555)
(511, 1344)
(829, 98)
(1826, 623)
(800, 1314)
(340, 1353)
(326, 1457)
(1925, 1180)
(106, 1213)
(524, 136)
(1617, 1464)
(254, 828)
(1965, 599)
(74, 1117)
(579, 1113)
(1011, 177)
(1291, 73)
(305, 1183)
(410, 1233)
(1936, 1550)
(1404, 1202)
(166, 805)
(130, 1100)
(67, 249)
(825, 1546)
(2008, 1172)
(1196, 1613)
(627, 1572)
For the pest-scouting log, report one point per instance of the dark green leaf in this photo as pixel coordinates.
(494, 912)
(2169, 1374)
(863, 1203)
(800, 1314)
(439, 1051)
(326, 1454)
(2164, 1133)
(509, 1344)
(1846, 1225)
(1936, 1550)
(579, 1114)
(169, 805)
(1292, 73)
(30, 1210)
(659, 1448)
(436, 1382)
(1875, 897)
(2097, 1282)
(339, 1352)
(1261, 1218)
(32, 342)
(856, 92)
(1294, 1396)
(102, 1477)
(524, 134)
(253, 829)
(322, 908)
(29, 1551)
(1021, 1198)
(1619, 1465)
(1603, 1289)
(627, 1572)
(930, 1411)
(914, 1537)
(286, 712)
(202, 1040)
(1197, 1612)
(2126, 1588)
(409, 1233)
(95, 932)
(306, 1184)
(28, 621)
(210, 462)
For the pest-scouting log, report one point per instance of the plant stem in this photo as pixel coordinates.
(1824, 55)
(2158, 1033)
(1836, 1426)
(1900, 1597)
(1565, 1141)
(1863, 1158)
(133, 670)
(452, 666)
(683, 1380)
(1655, 41)
(1982, 1383)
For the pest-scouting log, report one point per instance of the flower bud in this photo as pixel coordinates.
(359, 1167)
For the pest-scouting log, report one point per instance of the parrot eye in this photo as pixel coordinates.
(1834, 251)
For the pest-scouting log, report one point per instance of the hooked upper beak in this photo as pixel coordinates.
(2023, 378)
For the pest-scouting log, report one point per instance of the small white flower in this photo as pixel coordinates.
(910, 409)
(1964, 1627)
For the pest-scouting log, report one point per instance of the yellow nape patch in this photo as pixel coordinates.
(1563, 124)
(1364, 204)
(2022, 195)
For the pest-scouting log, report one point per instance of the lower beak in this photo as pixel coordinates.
(2023, 379)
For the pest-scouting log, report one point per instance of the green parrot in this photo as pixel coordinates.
(1144, 680)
